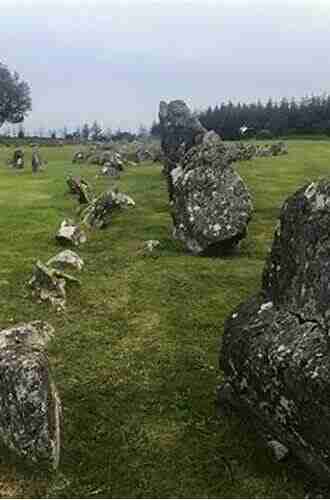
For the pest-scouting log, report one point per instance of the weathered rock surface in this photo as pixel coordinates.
(276, 349)
(80, 187)
(66, 258)
(70, 233)
(211, 206)
(180, 131)
(36, 161)
(99, 213)
(48, 284)
(30, 409)
(18, 159)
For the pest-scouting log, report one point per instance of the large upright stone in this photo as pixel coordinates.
(180, 130)
(30, 408)
(276, 346)
(211, 206)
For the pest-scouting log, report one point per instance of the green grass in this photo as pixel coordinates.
(135, 356)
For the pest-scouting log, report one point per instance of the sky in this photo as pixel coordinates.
(113, 61)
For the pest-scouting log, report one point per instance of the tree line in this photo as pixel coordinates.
(308, 116)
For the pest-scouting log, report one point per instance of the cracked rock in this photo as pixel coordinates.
(275, 350)
(30, 409)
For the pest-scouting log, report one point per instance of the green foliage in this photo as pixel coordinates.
(135, 355)
(15, 100)
(310, 115)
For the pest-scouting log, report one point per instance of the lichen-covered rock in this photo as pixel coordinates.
(79, 187)
(36, 161)
(66, 258)
(70, 233)
(99, 213)
(48, 284)
(275, 352)
(180, 130)
(211, 206)
(18, 159)
(110, 170)
(78, 157)
(30, 409)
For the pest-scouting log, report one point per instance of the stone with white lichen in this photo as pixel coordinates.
(211, 206)
(30, 409)
(275, 350)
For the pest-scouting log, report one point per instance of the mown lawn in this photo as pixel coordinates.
(135, 356)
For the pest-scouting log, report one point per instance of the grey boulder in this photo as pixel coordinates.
(30, 409)
(275, 350)
(99, 213)
(211, 206)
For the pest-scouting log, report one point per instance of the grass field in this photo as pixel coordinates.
(135, 356)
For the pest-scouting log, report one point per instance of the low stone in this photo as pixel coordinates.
(48, 284)
(30, 408)
(70, 233)
(66, 258)
(279, 451)
(109, 170)
(150, 246)
(99, 213)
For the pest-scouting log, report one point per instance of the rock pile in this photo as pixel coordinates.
(30, 409)
(275, 352)
(210, 205)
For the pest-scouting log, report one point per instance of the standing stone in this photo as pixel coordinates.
(275, 350)
(30, 409)
(211, 206)
(180, 130)
(18, 158)
(36, 161)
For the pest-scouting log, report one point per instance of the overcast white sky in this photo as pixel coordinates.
(113, 61)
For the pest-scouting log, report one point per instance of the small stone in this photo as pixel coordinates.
(70, 233)
(278, 450)
(66, 258)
